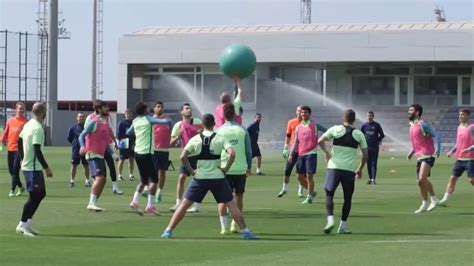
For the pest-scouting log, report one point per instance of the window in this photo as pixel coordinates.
(438, 91)
(373, 90)
(454, 70)
(391, 71)
(423, 70)
(167, 88)
(466, 91)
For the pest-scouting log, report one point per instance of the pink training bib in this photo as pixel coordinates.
(464, 141)
(98, 140)
(307, 138)
(188, 130)
(162, 134)
(422, 145)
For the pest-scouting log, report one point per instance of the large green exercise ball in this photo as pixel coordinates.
(238, 60)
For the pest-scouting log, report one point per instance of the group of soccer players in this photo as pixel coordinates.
(217, 153)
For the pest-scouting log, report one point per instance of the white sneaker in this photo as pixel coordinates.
(433, 205)
(93, 207)
(192, 210)
(117, 191)
(33, 230)
(233, 227)
(423, 208)
(25, 231)
(173, 209)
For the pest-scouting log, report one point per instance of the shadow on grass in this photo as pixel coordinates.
(465, 213)
(88, 236)
(291, 235)
(396, 234)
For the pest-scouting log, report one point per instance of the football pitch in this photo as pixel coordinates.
(385, 230)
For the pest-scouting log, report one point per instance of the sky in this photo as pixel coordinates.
(125, 16)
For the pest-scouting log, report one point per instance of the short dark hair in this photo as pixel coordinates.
(418, 108)
(208, 121)
(19, 103)
(159, 102)
(349, 116)
(140, 108)
(185, 104)
(465, 111)
(128, 110)
(306, 108)
(258, 114)
(99, 104)
(371, 112)
(229, 111)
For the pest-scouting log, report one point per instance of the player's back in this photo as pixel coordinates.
(237, 136)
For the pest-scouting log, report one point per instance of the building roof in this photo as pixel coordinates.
(418, 26)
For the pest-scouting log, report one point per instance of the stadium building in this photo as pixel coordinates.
(379, 67)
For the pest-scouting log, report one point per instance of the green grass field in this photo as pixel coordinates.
(385, 230)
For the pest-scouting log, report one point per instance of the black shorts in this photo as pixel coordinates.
(219, 188)
(460, 166)
(161, 160)
(336, 176)
(430, 161)
(306, 164)
(34, 181)
(77, 158)
(97, 167)
(237, 182)
(290, 165)
(256, 150)
(192, 162)
(146, 168)
(126, 154)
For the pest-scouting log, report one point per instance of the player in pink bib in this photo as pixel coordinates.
(162, 135)
(183, 131)
(422, 135)
(225, 98)
(463, 152)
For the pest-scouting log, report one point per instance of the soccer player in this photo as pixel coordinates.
(30, 143)
(207, 148)
(126, 144)
(254, 131)
(464, 157)
(238, 137)
(162, 135)
(341, 162)
(76, 158)
(374, 135)
(225, 98)
(142, 128)
(289, 141)
(422, 135)
(94, 141)
(183, 131)
(305, 148)
(10, 137)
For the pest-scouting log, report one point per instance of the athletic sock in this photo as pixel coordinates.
(342, 224)
(151, 201)
(425, 203)
(158, 192)
(93, 199)
(178, 201)
(331, 219)
(446, 196)
(434, 198)
(114, 185)
(136, 197)
(223, 220)
(246, 230)
(258, 170)
(197, 205)
(23, 224)
(71, 181)
(300, 189)
(285, 187)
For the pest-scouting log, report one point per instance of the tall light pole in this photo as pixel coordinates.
(52, 103)
(94, 54)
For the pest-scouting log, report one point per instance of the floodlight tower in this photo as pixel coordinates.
(97, 50)
(439, 12)
(305, 16)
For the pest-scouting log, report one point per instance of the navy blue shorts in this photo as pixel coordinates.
(219, 188)
(290, 165)
(34, 181)
(161, 160)
(146, 168)
(336, 176)
(125, 154)
(97, 167)
(77, 158)
(460, 166)
(429, 161)
(237, 183)
(306, 164)
(256, 150)
(192, 162)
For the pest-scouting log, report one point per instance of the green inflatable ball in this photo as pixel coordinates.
(238, 60)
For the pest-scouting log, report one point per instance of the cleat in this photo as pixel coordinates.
(282, 193)
(33, 230)
(193, 210)
(132, 178)
(309, 199)
(233, 228)
(117, 191)
(87, 183)
(12, 193)
(120, 178)
(369, 182)
(260, 174)
(374, 183)
(135, 207)
(72, 184)
(300, 195)
(433, 205)
(442, 203)
(25, 231)
(20, 191)
(343, 231)
(167, 234)
(249, 236)
(93, 207)
(173, 209)
(422, 208)
(158, 198)
(328, 228)
(224, 231)
(152, 210)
